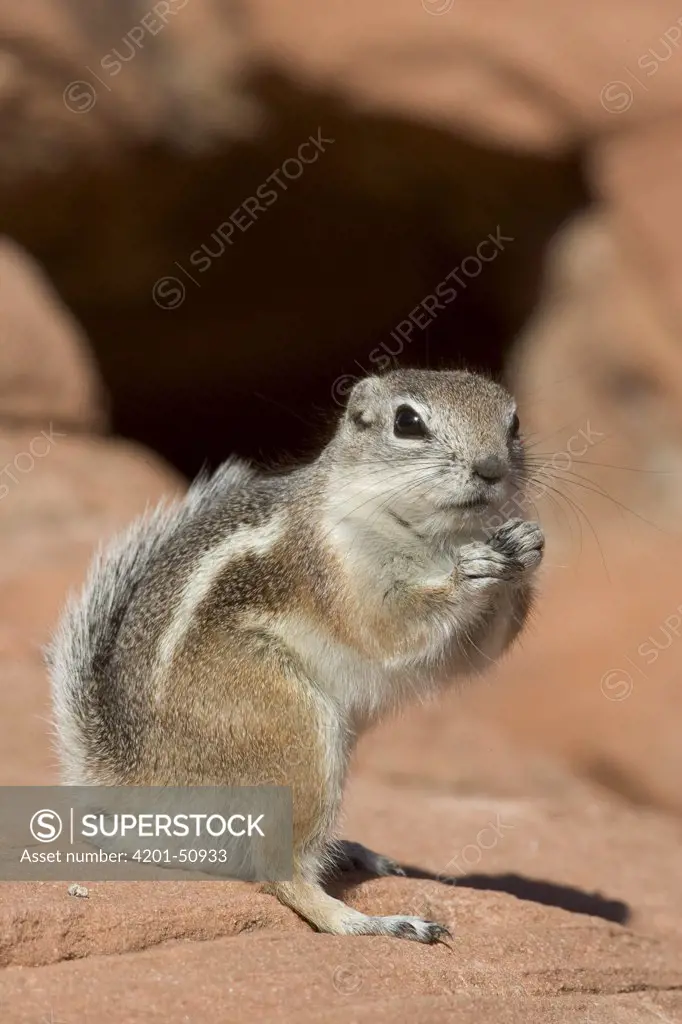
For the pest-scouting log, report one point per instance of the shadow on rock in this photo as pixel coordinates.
(549, 894)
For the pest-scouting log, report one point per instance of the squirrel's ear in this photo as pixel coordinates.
(361, 409)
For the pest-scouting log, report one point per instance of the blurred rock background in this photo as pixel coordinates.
(132, 131)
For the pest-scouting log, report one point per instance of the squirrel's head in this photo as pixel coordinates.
(438, 449)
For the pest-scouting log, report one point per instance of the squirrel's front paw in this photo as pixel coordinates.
(481, 565)
(520, 541)
(514, 550)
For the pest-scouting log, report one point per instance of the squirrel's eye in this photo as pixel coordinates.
(515, 426)
(408, 423)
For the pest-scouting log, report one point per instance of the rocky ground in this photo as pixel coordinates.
(562, 908)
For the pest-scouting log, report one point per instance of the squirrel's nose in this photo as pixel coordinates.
(490, 468)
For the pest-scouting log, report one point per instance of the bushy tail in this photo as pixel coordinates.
(88, 629)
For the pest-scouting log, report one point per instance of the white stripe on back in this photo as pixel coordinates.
(244, 540)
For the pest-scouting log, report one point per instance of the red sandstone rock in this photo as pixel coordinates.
(546, 943)
(47, 373)
(518, 73)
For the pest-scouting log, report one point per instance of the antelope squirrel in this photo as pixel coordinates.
(253, 630)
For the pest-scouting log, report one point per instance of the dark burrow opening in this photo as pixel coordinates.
(258, 355)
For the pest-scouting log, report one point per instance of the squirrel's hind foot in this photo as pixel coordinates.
(331, 915)
(401, 926)
(350, 856)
